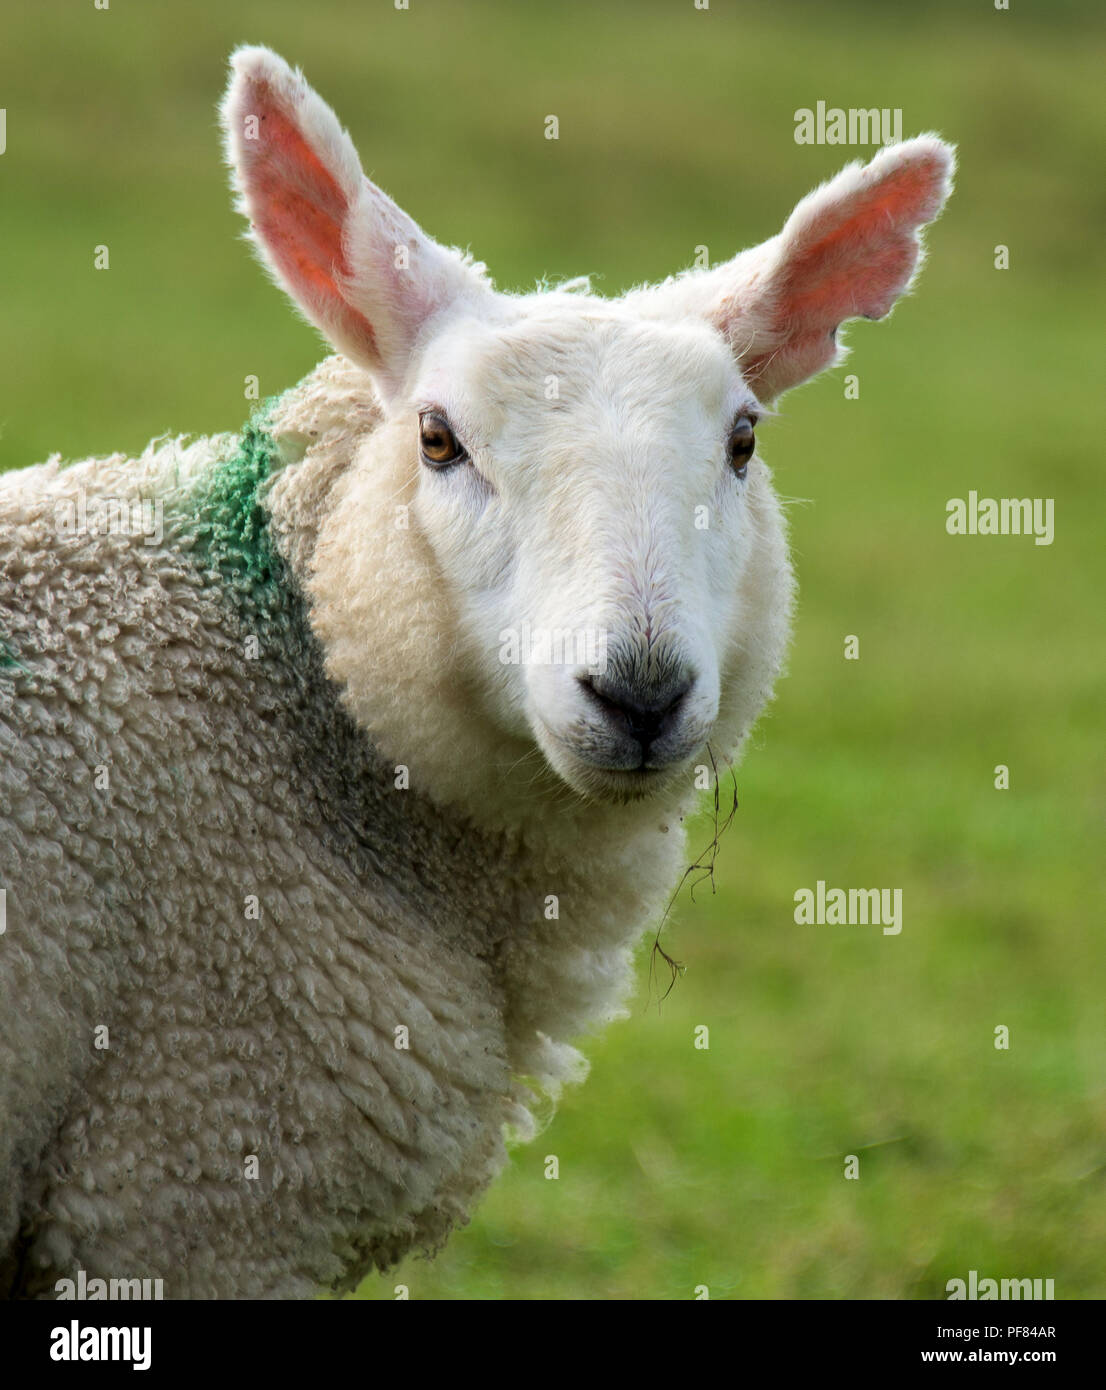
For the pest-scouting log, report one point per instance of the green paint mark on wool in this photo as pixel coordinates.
(8, 659)
(232, 528)
(229, 533)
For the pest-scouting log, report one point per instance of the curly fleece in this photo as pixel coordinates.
(199, 1072)
(279, 969)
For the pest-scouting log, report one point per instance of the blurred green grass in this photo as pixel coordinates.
(681, 1167)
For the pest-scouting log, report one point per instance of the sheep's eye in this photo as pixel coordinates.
(742, 442)
(437, 443)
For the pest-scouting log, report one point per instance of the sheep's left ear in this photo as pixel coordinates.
(354, 263)
(848, 250)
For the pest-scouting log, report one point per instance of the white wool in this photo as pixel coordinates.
(308, 883)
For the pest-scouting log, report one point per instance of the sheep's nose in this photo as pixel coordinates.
(646, 715)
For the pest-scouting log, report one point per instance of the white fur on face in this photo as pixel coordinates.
(598, 515)
(599, 522)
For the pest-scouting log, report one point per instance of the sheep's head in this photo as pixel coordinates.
(588, 490)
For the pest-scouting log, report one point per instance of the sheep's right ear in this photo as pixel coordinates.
(849, 250)
(355, 264)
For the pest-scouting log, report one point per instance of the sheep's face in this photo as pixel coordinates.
(590, 491)
(610, 549)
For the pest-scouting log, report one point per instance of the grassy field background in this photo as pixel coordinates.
(678, 1167)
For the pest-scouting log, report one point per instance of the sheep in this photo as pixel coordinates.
(320, 850)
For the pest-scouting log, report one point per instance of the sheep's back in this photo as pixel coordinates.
(221, 919)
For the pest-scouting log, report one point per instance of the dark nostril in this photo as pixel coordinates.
(644, 715)
(646, 724)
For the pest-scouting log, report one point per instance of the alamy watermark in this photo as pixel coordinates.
(554, 646)
(976, 1288)
(96, 1289)
(830, 125)
(95, 1343)
(1000, 516)
(110, 516)
(822, 906)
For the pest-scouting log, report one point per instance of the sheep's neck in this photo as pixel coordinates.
(404, 782)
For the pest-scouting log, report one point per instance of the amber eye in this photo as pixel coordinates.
(741, 444)
(437, 443)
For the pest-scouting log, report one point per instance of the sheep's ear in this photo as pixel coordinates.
(848, 250)
(355, 264)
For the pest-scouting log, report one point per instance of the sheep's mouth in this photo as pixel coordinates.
(596, 780)
(627, 784)
(604, 769)
(616, 786)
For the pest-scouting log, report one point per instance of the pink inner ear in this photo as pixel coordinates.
(298, 211)
(861, 264)
(851, 258)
